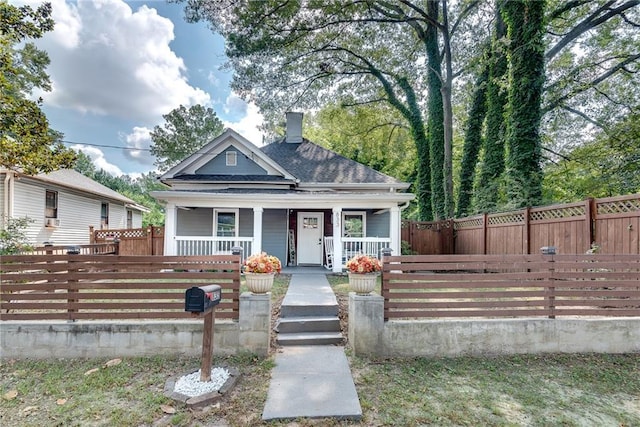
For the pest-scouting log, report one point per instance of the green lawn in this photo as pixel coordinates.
(550, 390)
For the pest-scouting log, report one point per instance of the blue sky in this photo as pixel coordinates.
(117, 67)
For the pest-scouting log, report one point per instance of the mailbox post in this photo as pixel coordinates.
(203, 300)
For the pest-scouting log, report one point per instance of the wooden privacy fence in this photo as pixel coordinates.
(613, 224)
(73, 287)
(453, 286)
(133, 241)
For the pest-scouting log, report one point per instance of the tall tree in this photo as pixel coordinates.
(185, 131)
(306, 54)
(525, 30)
(26, 141)
(489, 188)
(473, 142)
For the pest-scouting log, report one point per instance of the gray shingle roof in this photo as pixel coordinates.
(312, 163)
(73, 179)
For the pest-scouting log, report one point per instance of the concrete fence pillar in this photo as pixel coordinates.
(255, 322)
(366, 323)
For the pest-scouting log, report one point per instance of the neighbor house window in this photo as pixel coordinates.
(51, 204)
(354, 224)
(104, 215)
(226, 223)
(232, 158)
(129, 218)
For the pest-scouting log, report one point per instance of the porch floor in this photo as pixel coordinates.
(311, 269)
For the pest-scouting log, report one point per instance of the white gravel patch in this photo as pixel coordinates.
(190, 385)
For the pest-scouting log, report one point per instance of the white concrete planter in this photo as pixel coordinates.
(362, 283)
(259, 283)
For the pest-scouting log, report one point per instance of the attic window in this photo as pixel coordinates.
(232, 158)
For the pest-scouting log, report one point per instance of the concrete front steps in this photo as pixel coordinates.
(309, 330)
(309, 313)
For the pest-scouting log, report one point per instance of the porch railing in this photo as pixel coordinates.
(197, 246)
(352, 246)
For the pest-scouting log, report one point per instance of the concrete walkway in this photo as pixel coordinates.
(311, 381)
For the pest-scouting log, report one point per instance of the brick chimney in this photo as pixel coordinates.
(294, 127)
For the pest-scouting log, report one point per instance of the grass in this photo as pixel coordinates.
(549, 390)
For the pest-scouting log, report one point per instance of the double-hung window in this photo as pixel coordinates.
(354, 224)
(104, 215)
(226, 223)
(51, 204)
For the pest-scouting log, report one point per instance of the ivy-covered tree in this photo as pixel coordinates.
(525, 30)
(489, 187)
(26, 141)
(185, 131)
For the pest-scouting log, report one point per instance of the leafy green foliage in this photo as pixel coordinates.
(185, 131)
(525, 29)
(13, 236)
(489, 188)
(26, 141)
(373, 135)
(607, 166)
(472, 143)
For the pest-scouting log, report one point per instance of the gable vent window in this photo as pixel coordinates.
(232, 158)
(51, 204)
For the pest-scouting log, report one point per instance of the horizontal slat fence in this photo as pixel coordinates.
(73, 287)
(109, 248)
(453, 286)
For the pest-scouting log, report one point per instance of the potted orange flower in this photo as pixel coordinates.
(363, 273)
(259, 272)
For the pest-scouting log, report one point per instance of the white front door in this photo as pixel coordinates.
(310, 232)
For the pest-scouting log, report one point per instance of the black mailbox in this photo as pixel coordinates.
(201, 299)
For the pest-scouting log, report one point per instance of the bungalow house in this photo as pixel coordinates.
(292, 198)
(63, 204)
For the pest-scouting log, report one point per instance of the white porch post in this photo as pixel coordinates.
(337, 240)
(256, 247)
(170, 227)
(394, 231)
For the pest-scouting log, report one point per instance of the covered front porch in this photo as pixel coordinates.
(303, 235)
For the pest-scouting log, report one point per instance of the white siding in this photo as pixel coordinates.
(76, 212)
(117, 216)
(137, 219)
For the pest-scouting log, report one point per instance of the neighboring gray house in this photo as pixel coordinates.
(291, 198)
(63, 205)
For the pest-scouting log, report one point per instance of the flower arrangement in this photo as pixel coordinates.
(262, 263)
(364, 264)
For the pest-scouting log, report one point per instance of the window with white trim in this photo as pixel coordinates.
(354, 224)
(232, 158)
(226, 223)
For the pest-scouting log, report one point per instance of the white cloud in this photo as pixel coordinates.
(248, 126)
(109, 60)
(234, 105)
(138, 143)
(98, 159)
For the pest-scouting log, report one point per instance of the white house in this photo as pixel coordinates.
(291, 198)
(63, 204)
